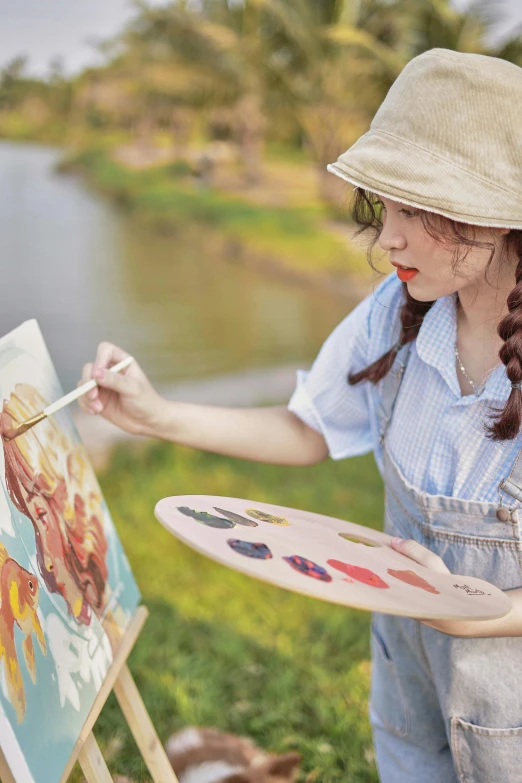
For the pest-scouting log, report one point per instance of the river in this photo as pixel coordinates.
(87, 272)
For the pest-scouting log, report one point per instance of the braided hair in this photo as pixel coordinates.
(367, 214)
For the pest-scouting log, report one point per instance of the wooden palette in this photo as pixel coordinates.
(326, 558)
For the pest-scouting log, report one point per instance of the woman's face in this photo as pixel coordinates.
(405, 239)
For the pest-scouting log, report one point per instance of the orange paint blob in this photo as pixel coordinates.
(413, 579)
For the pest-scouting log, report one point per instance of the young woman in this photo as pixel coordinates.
(427, 373)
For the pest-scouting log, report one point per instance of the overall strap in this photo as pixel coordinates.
(390, 389)
(513, 483)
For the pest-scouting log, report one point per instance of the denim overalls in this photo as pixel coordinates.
(442, 708)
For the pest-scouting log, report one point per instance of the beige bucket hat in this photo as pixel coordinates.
(448, 139)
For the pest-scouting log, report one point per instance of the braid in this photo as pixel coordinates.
(412, 315)
(507, 421)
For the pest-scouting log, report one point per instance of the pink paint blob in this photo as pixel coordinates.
(413, 579)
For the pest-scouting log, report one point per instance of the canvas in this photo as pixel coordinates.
(67, 592)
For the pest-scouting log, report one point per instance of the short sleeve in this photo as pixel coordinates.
(323, 398)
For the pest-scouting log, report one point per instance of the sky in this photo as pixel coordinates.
(68, 29)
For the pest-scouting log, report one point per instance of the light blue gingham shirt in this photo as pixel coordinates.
(436, 434)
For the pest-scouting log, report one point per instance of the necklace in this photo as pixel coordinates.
(465, 374)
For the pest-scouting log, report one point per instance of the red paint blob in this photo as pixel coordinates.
(359, 573)
(413, 579)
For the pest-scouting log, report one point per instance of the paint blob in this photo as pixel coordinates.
(309, 568)
(413, 579)
(264, 517)
(363, 541)
(206, 518)
(250, 548)
(237, 518)
(358, 573)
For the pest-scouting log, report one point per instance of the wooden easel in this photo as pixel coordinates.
(86, 751)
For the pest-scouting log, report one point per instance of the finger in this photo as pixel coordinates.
(107, 355)
(420, 554)
(86, 404)
(87, 376)
(115, 381)
(89, 406)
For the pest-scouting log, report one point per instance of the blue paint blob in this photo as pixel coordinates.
(250, 549)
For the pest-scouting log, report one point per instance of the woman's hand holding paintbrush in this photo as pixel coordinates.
(22, 427)
(268, 434)
(128, 399)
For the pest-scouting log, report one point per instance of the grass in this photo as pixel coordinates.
(221, 649)
(292, 237)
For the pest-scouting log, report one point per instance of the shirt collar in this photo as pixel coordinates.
(435, 345)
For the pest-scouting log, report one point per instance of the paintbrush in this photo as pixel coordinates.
(14, 432)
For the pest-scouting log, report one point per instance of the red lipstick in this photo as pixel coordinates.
(404, 274)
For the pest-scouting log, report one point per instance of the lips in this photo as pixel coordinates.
(404, 273)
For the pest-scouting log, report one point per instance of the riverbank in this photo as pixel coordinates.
(298, 242)
(177, 302)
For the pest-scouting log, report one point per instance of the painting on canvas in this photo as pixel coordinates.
(67, 592)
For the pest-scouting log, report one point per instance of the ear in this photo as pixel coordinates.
(284, 764)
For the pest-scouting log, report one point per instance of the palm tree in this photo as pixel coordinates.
(386, 35)
(436, 23)
(330, 62)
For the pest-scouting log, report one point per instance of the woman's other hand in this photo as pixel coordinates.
(509, 625)
(425, 557)
(420, 554)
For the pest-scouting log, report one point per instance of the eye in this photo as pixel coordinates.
(41, 513)
(31, 585)
(409, 213)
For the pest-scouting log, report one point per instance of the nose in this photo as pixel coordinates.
(390, 238)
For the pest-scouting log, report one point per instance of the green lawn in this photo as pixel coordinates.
(221, 649)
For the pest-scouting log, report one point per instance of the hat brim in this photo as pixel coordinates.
(401, 171)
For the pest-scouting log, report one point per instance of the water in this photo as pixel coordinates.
(86, 272)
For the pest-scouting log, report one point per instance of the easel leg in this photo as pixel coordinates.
(92, 762)
(142, 728)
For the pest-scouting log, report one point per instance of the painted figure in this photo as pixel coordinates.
(19, 592)
(50, 480)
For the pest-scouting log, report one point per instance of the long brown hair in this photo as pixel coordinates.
(367, 214)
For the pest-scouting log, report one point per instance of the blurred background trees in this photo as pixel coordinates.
(216, 81)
